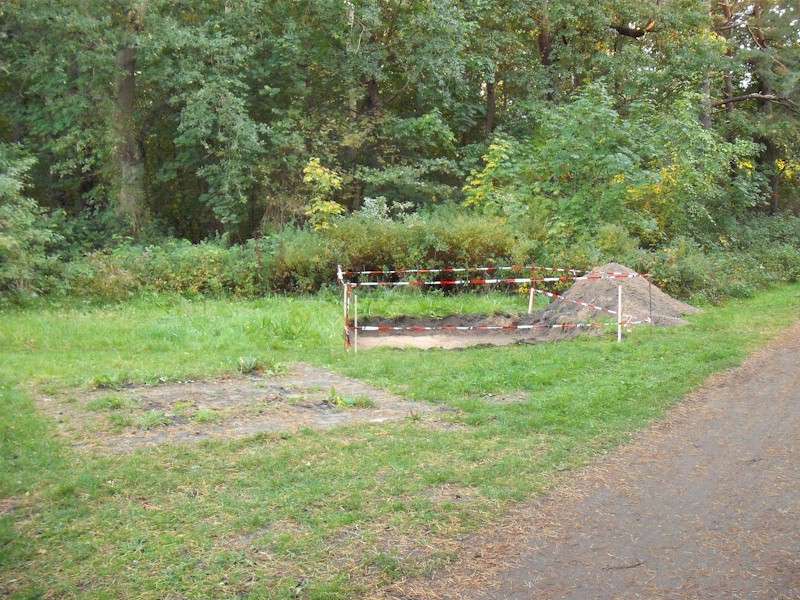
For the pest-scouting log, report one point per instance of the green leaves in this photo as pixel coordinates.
(25, 234)
(655, 169)
(402, 98)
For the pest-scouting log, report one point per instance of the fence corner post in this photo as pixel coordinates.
(619, 312)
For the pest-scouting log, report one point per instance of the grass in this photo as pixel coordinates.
(152, 419)
(314, 514)
(109, 402)
(206, 415)
(339, 401)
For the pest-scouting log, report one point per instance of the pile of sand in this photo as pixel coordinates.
(640, 299)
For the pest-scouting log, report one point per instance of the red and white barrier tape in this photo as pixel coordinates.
(519, 268)
(613, 275)
(489, 269)
(515, 268)
(483, 281)
(606, 275)
(451, 328)
(441, 282)
(639, 322)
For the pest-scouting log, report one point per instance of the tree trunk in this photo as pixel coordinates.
(491, 107)
(373, 96)
(128, 154)
(352, 93)
(544, 40)
(771, 150)
(705, 114)
(545, 43)
(727, 78)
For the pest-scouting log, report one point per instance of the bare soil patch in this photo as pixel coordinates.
(9, 505)
(509, 398)
(147, 415)
(452, 493)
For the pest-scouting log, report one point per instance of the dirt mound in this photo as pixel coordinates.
(640, 299)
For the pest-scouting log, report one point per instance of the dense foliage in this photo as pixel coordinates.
(316, 128)
(25, 234)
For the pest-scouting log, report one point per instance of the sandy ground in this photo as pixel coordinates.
(446, 341)
(705, 504)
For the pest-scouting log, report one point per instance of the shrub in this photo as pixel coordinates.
(306, 261)
(26, 236)
(751, 256)
(177, 266)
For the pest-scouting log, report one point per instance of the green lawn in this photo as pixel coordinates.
(315, 514)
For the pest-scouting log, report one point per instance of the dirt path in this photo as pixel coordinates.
(705, 504)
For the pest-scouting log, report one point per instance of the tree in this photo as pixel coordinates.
(200, 118)
(25, 235)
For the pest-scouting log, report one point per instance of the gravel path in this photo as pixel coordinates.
(706, 508)
(705, 504)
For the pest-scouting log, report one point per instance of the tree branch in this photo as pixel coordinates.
(635, 32)
(758, 96)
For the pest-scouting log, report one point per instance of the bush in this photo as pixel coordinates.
(177, 266)
(306, 261)
(27, 266)
(764, 251)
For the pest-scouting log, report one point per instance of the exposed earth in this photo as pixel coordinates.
(119, 420)
(705, 504)
(641, 299)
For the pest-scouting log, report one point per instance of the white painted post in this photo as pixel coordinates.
(345, 299)
(530, 298)
(345, 305)
(355, 323)
(619, 312)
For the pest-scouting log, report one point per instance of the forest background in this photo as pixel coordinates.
(242, 147)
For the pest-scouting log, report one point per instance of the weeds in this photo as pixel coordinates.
(108, 403)
(119, 422)
(152, 419)
(206, 415)
(335, 399)
(249, 364)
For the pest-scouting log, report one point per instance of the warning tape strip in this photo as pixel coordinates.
(608, 275)
(484, 281)
(578, 273)
(441, 282)
(423, 328)
(515, 268)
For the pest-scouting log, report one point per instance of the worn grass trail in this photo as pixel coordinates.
(315, 514)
